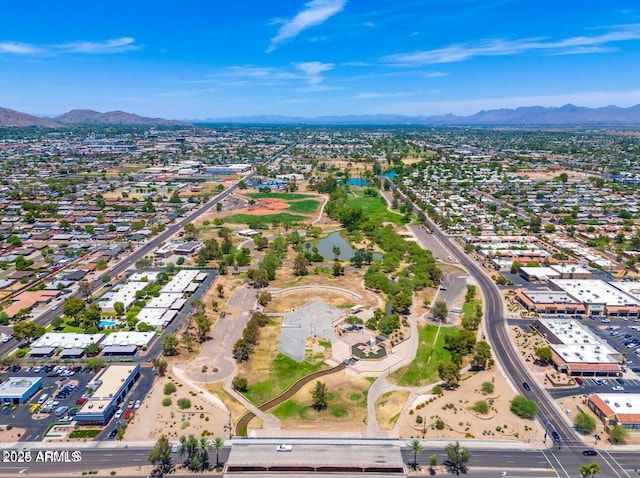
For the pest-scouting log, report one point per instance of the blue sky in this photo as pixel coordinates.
(214, 58)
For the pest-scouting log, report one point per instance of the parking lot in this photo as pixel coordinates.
(65, 392)
(53, 384)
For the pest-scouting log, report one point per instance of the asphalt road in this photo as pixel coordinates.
(507, 356)
(483, 463)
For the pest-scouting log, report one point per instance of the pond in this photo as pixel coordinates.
(357, 182)
(390, 174)
(339, 239)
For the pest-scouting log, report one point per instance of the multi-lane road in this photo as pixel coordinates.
(508, 359)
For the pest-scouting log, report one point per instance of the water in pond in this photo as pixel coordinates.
(357, 182)
(326, 244)
(390, 174)
(339, 239)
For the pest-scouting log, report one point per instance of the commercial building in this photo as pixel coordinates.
(617, 409)
(19, 389)
(577, 351)
(109, 391)
(584, 296)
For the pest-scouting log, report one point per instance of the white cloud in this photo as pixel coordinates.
(313, 70)
(498, 47)
(18, 48)
(116, 45)
(315, 13)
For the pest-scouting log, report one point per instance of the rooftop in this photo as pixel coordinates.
(626, 405)
(15, 387)
(593, 291)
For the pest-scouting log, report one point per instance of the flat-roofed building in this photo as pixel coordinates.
(600, 298)
(109, 391)
(67, 340)
(617, 409)
(126, 294)
(317, 459)
(577, 351)
(19, 389)
(550, 302)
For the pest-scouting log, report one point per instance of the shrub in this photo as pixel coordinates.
(169, 388)
(437, 390)
(481, 406)
(487, 388)
(166, 402)
(184, 403)
(439, 424)
(524, 407)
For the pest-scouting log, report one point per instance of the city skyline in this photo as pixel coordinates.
(317, 57)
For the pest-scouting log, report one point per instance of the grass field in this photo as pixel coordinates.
(373, 206)
(284, 371)
(304, 207)
(282, 217)
(285, 196)
(84, 433)
(424, 368)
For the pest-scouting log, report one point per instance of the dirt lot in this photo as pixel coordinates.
(453, 408)
(547, 175)
(153, 419)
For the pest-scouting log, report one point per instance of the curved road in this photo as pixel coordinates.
(503, 351)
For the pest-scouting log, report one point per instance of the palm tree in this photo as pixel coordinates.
(203, 452)
(218, 444)
(589, 469)
(415, 446)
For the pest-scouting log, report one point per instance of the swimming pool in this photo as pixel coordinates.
(107, 323)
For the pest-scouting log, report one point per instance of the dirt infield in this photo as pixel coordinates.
(266, 206)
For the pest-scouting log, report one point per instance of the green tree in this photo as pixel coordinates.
(161, 365)
(170, 345)
(458, 457)
(415, 446)
(203, 325)
(241, 350)
(589, 469)
(57, 322)
(449, 373)
(240, 384)
(73, 307)
(319, 396)
(440, 310)
(218, 445)
(523, 407)
(118, 307)
(618, 433)
(300, 265)
(481, 355)
(95, 363)
(27, 331)
(92, 349)
(544, 354)
(401, 303)
(85, 288)
(585, 423)
(160, 455)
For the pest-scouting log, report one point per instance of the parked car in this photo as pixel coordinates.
(137, 404)
(118, 414)
(113, 433)
(127, 414)
(130, 404)
(6, 338)
(617, 388)
(579, 381)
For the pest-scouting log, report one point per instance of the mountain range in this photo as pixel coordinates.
(15, 118)
(523, 116)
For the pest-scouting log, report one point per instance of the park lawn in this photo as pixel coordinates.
(424, 368)
(266, 219)
(289, 196)
(84, 433)
(284, 371)
(346, 403)
(304, 207)
(469, 308)
(373, 207)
